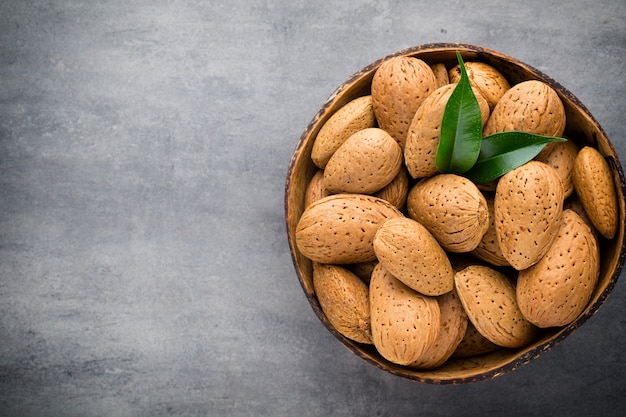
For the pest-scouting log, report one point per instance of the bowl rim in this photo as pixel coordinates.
(516, 361)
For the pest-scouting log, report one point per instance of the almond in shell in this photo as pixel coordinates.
(593, 182)
(399, 86)
(397, 190)
(413, 255)
(473, 343)
(452, 208)
(489, 82)
(488, 249)
(356, 115)
(561, 157)
(489, 300)
(452, 327)
(557, 289)
(315, 190)
(365, 163)
(340, 229)
(404, 322)
(344, 299)
(441, 74)
(423, 134)
(530, 106)
(527, 208)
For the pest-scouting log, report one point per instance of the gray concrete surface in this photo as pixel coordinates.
(144, 267)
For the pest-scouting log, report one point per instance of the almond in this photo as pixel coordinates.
(411, 254)
(397, 190)
(595, 187)
(404, 322)
(527, 208)
(423, 135)
(488, 298)
(363, 270)
(485, 78)
(344, 299)
(488, 248)
(315, 190)
(441, 74)
(366, 162)
(399, 86)
(473, 343)
(356, 115)
(340, 229)
(556, 290)
(573, 203)
(561, 157)
(530, 106)
(452, 208)
(453, 323)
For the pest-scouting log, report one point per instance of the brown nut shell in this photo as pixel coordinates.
(423, 135)
(340, 229)
(405, 323)
(356, 115)
(561, 156)
(527, 208)
(485, 78)
(473, 343)
(397, 190)
(409, 252)
(557, 289)
(595, 187)
(452, 208)
(365, 163)
(344, 299)
(399, 87)
(315, 190)
(453, 324)
(441, 74)
(488, 297)
(530, 106)
(488, 249)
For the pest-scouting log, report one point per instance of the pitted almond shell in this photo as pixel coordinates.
(488, 249)
(561, 157)
(488, 297)
(363, 270)
(405, 323)
(573, 203)
(530, 106)
(527, 208)
(453, 324)
(488, 80)
(473, 343)
(399, 86)
(340, 229)
(441, 74)
(397, 190)
(411, 254)
(315, 190)
(452, 208)
(557, 289)
(423, 135)
(365, 163)
(356, 115)
(344, 299)
(593, 182)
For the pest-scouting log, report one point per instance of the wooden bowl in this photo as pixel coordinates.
(581, 127)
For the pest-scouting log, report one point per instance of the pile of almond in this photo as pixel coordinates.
(427, 266)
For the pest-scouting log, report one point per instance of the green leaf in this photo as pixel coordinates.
(505, 151)
(461, 128)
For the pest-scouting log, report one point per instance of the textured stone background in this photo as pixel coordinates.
(144, 267)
